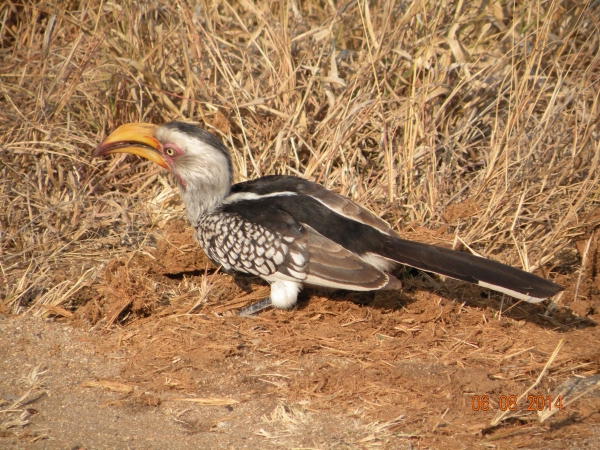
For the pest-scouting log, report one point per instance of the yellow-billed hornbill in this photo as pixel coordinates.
(291, 232)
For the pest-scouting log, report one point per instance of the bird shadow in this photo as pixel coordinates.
(188, 273)
(445, 293)
(459, 294)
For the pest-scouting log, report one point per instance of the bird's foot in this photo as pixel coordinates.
(255, 307)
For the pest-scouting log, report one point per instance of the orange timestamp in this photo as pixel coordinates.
(509, 402)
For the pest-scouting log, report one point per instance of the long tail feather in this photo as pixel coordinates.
(474, 269)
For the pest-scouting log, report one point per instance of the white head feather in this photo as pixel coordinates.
(203, 172)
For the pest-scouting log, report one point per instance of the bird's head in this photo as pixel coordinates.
(199, 162)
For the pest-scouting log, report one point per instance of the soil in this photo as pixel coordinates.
(153, 356)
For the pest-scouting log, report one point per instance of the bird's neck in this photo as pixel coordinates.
(203, 193)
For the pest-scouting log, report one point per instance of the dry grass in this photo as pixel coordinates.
(15, 415)
(477, 120)
(411, 109)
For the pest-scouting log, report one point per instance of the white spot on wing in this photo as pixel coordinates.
(264, 270)
(297, 275)
(278, 258)
(297, 258)
(377, 261)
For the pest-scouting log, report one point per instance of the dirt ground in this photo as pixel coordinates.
(157, 358)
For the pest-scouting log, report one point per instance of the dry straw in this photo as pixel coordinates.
(409, 108)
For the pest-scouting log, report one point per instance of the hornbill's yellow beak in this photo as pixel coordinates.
(135, 138)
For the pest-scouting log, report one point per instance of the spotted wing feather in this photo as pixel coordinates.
(240, 245)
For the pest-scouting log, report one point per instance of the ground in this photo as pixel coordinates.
(344, 370)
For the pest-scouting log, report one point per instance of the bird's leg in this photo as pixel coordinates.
(256, 307)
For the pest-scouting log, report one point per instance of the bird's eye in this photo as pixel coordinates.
(169, 151)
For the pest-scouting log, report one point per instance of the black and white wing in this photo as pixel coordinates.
(254, 234)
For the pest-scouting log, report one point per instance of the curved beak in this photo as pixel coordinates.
(135, 138)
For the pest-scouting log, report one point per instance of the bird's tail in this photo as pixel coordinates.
(474, 269)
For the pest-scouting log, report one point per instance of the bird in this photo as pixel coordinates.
(293, 232)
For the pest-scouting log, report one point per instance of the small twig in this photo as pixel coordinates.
(502, 415)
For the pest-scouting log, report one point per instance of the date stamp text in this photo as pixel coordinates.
(509, 402)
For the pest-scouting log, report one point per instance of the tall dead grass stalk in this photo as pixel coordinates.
(477, 116)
